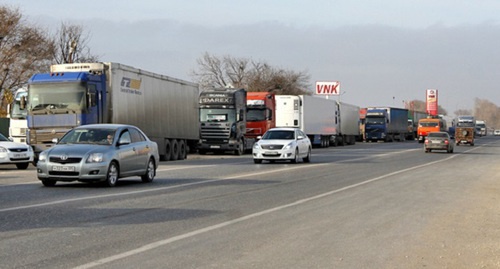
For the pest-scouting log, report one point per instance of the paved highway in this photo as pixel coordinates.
(361, 206)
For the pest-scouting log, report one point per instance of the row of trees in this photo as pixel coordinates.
(27, 49)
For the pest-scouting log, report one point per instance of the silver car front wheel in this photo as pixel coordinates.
(112, 174)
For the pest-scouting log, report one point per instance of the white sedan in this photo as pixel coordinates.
(15, 153)
(279, 144)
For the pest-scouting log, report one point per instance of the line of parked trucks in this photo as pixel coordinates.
(181, 119)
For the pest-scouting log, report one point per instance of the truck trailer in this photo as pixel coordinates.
(386, 124)
(223, 121)
(349, 127)
(76, 94)
(317, 117)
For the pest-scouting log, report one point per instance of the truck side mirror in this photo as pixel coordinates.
(23, 103)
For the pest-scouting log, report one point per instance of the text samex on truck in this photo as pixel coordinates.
(223, 121)
(386, 124)
(261, 110)
(70, 95)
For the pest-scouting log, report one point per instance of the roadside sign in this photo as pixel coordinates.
(328, 87)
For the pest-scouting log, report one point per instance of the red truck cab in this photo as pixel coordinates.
(261, 110)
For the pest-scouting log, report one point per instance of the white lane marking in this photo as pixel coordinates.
(170, 240)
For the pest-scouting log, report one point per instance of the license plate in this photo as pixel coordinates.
(436, 142)
(271, 153)
(215, 147)
(63, 168)
(20, 155)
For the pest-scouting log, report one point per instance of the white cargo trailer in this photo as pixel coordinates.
(317, 117)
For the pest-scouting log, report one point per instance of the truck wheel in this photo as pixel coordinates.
(150, 172)
(168, 151)
(182, 149)
(22, 166)
(112, 174)
(175, 150)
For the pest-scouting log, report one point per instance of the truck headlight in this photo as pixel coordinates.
(95, 158)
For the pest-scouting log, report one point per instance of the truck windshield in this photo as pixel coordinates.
(16, 111)
(256, 114)
(428, 124)
(217, 115)
(375, 120)
(60, 96)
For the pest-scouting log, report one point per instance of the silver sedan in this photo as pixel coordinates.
(99, 152)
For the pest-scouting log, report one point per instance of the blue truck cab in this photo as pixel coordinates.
(386, 124)
(59, 101)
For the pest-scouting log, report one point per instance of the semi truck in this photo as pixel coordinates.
(317, 117)
(223, 121)
(18, 124)
(481, 128)
(261, 113)
(386, 124)
(430, 124)
(165, 108)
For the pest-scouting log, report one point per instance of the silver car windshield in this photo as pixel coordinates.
(89, 136)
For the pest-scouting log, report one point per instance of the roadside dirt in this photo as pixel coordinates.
(468, 236)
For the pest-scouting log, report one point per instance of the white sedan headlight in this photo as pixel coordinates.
(95, 158)
(289, 146)
(256, 146)
(42, 157)
(2, 149)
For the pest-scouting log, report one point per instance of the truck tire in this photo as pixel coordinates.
(168, 151)
(175, 150)
(182, 150)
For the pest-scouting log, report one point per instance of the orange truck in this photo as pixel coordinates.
(427, 125)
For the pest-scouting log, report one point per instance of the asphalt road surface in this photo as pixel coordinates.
(371, 205)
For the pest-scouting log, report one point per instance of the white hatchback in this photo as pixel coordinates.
(279, 144)
(15, 153)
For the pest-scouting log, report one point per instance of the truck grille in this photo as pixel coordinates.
(215, 132)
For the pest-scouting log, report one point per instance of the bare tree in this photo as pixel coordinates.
(419, 105)
(72, 45)
(487, 111)
(24, 50)
(216, 72)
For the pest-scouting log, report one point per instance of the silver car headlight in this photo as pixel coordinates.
(256, 146)
(42, 157)
(95, 158)
(2, 149)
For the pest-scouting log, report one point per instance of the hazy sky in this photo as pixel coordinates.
(382, 52)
